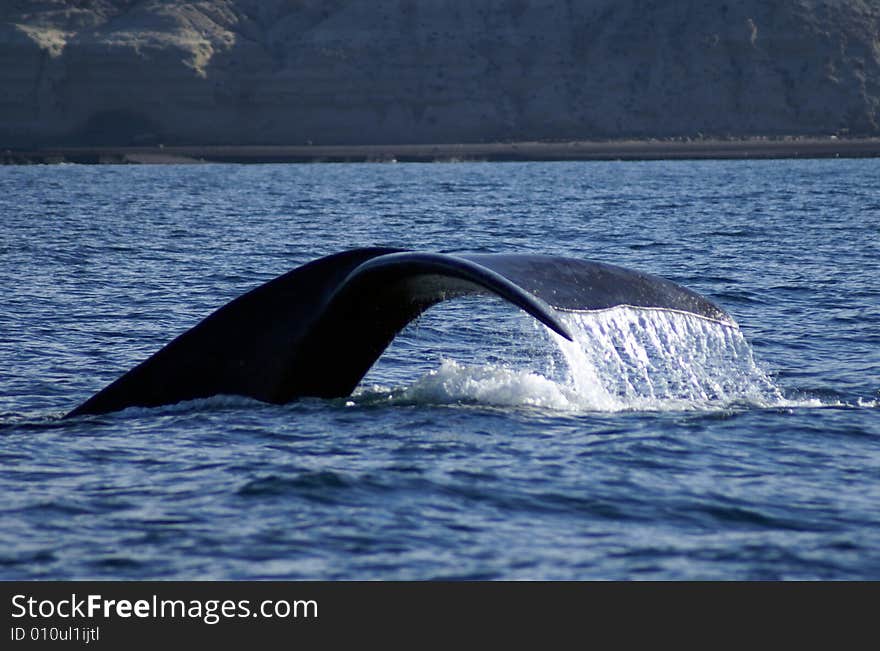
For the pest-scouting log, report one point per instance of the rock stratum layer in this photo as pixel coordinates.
(235, 72)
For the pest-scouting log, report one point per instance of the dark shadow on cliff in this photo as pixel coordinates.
(118, 128)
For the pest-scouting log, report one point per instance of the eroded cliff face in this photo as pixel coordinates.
(392, 71)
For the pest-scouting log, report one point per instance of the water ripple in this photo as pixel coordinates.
(470, 451)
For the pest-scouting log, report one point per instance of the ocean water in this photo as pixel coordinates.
(480, 446)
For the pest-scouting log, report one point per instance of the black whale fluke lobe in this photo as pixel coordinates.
(317, 330)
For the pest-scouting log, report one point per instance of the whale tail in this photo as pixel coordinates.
(317, 330)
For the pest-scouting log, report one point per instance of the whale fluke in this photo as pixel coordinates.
(317, 330)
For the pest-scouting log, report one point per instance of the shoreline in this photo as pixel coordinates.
(625, 150)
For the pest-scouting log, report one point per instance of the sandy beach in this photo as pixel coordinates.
(755, 148)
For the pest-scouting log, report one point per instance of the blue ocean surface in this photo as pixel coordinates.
(480, 446)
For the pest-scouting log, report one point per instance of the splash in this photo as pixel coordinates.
(658, 359)
(621, 359)
(491, 384)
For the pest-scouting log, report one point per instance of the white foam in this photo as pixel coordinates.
(493, 385)
(622, 359)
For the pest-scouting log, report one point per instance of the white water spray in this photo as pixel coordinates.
(658, 359)
(621, 359)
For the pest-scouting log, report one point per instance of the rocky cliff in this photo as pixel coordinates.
(389, 71)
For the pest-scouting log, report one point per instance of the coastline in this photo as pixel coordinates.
(652, 149)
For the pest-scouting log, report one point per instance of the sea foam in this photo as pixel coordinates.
(621, 359)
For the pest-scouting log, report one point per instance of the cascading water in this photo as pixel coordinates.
(628, 358)
(621, 359)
